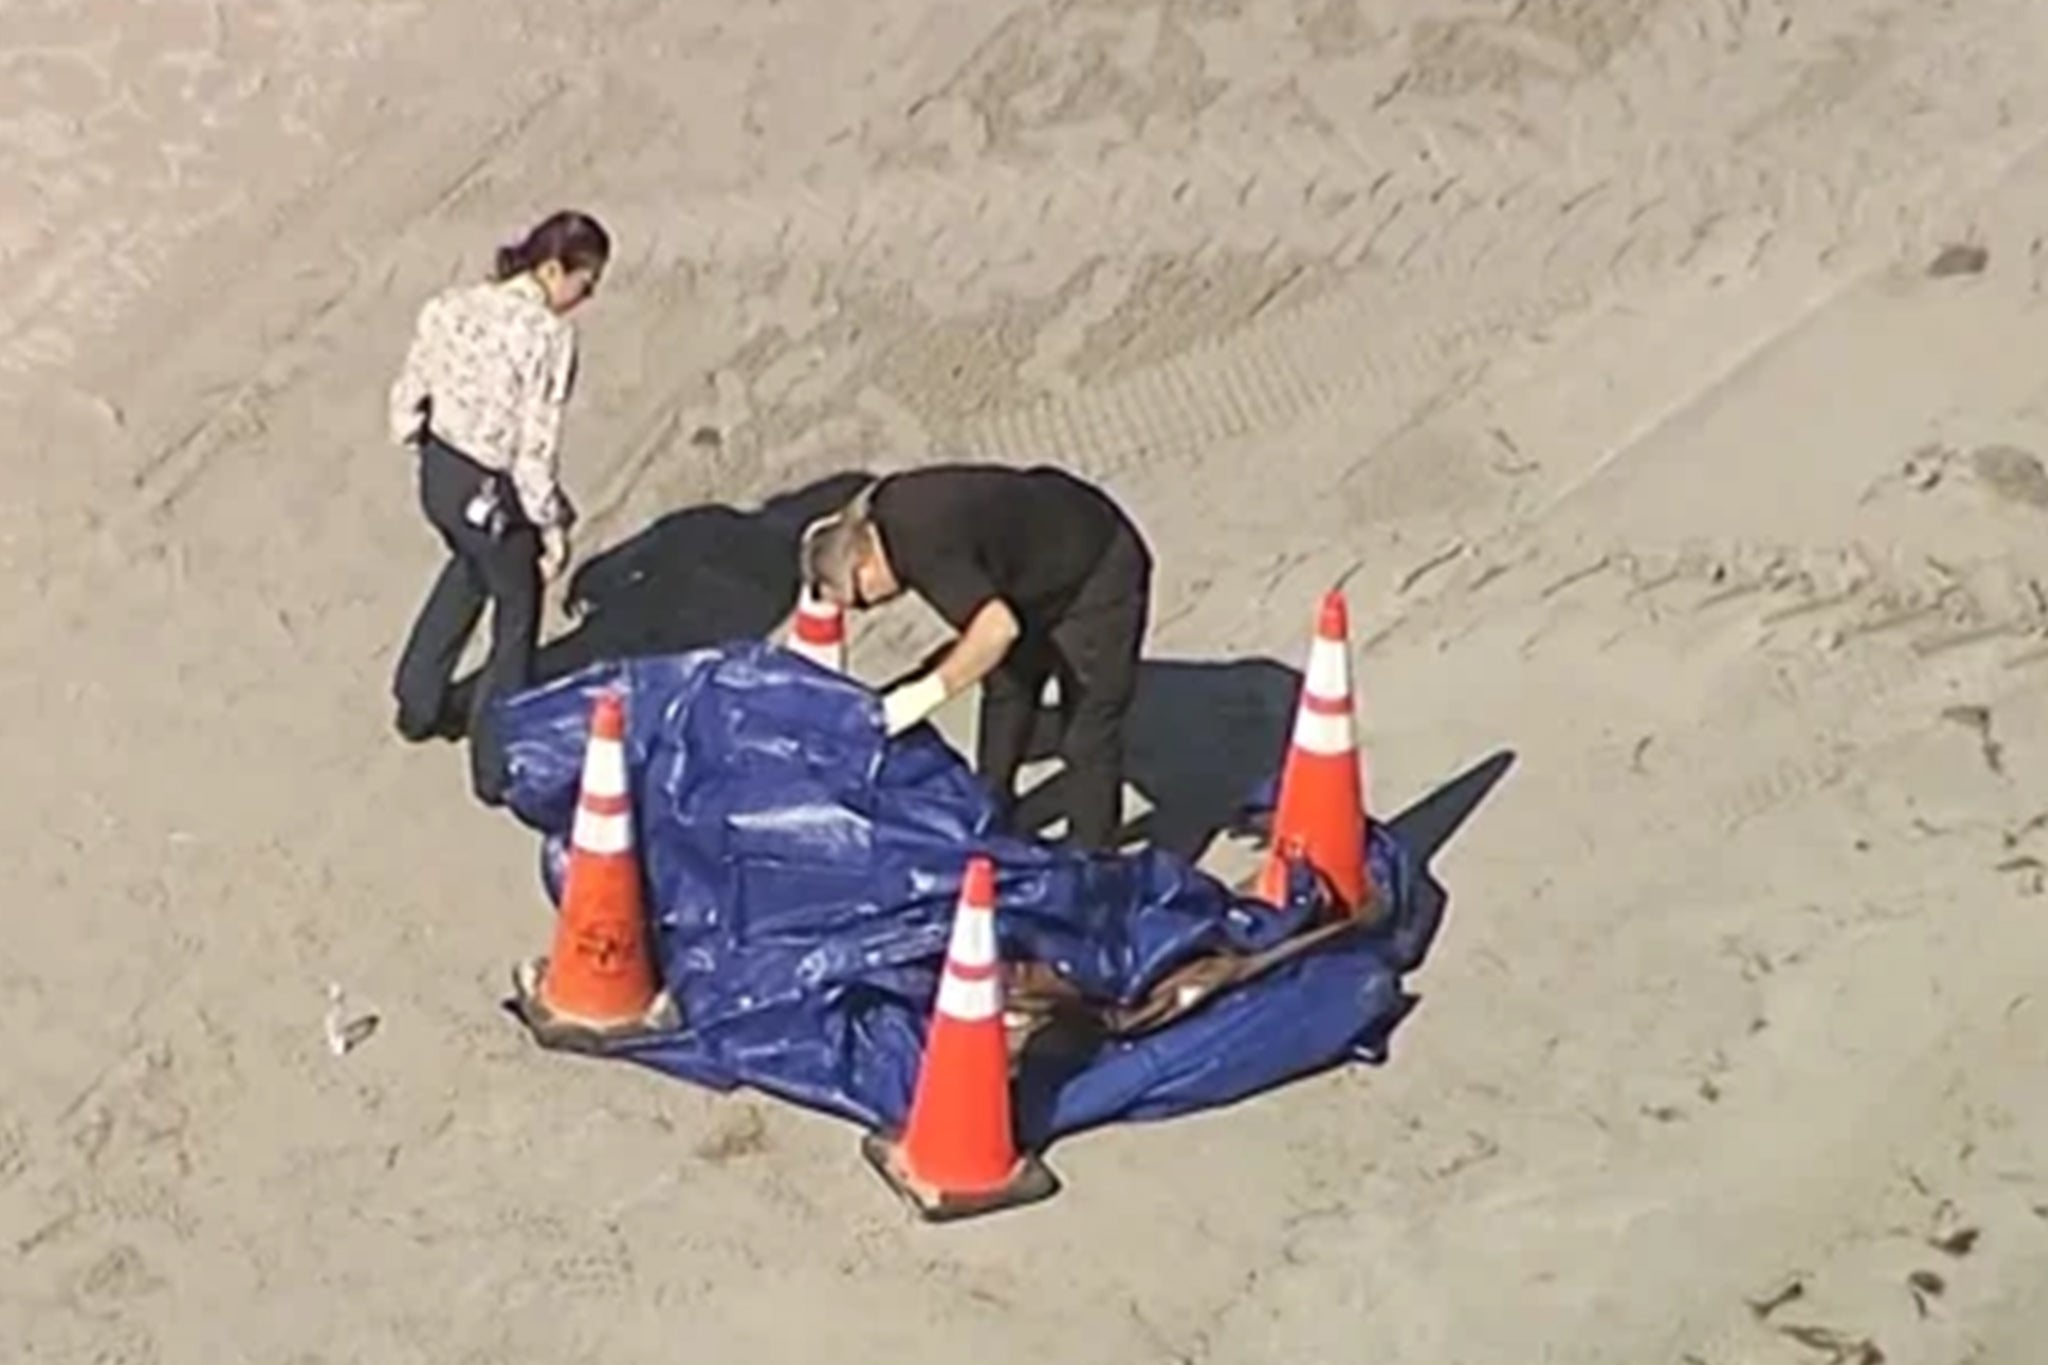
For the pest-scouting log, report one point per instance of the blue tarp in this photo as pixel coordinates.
(802, 872)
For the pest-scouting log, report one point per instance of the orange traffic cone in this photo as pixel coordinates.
(958, 1156)
(599, 985)
(819, 632)
(1321, 814)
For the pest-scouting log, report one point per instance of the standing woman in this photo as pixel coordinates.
(480, 399)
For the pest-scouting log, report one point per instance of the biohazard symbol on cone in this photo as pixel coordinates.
(598, 985)
(958, 1155)
(1320, 818)
(819, 631)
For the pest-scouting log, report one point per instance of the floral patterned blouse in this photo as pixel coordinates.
(489, 371)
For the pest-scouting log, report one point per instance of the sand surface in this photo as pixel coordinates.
(1594, 340)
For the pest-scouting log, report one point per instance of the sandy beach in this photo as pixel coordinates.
(1661, 380)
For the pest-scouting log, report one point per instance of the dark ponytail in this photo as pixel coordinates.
(577, 240)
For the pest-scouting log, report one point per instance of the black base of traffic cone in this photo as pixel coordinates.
(1031, 1182)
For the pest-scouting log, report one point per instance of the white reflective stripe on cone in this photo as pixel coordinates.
(974, 937)
(596, 832)
(604, 768)
(969, 1001)
(1324, 733)
(1329, 671)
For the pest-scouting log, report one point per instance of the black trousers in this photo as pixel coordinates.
(502, 570)
(1093, 649)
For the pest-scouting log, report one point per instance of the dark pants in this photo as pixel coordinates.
(1093, 649)
(503, 570)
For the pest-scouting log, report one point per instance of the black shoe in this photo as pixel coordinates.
(449, 725)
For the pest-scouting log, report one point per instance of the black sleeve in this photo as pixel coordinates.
(954, 583)
(932, 528)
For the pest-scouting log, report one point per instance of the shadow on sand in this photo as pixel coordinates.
(692, 578)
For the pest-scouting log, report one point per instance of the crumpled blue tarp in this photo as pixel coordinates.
(802, 873)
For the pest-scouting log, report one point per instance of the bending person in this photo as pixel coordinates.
(1042, 575)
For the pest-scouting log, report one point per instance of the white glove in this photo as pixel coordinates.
(905, 706)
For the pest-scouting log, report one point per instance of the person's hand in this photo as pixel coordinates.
(906, 706)
(554, 553)
(576, 596)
